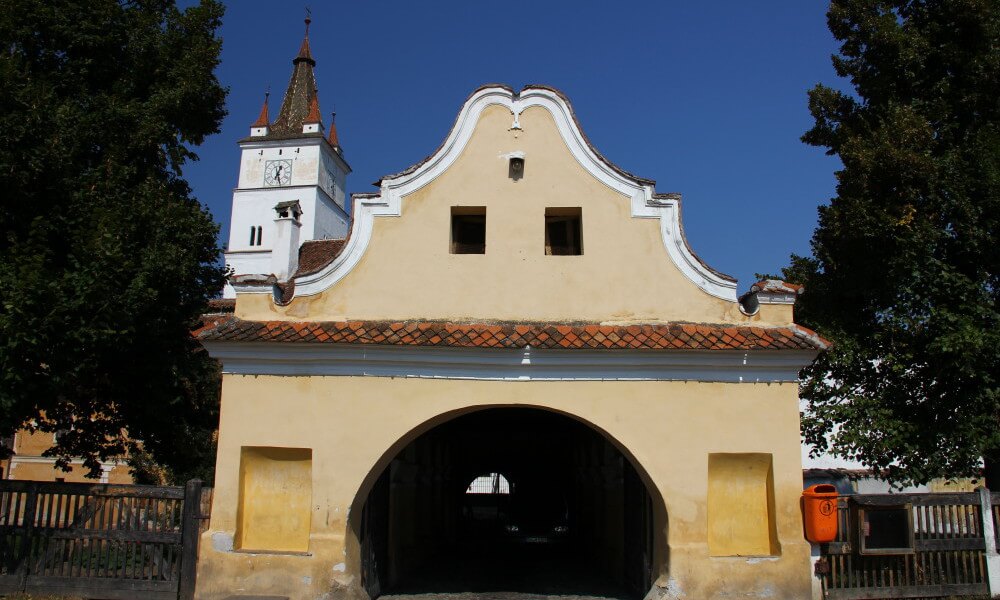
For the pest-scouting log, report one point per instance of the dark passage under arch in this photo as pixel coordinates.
(564, 511)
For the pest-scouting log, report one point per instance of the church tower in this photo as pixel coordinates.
(290, 160)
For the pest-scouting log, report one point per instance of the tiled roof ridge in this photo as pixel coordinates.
(510, 335)
(835, 471)
(221, 305)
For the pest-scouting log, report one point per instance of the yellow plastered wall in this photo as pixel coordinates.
(625, 274)
(741, 505)
(33, 443)
(670, 428)
(275, 498)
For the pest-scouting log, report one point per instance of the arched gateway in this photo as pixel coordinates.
(511, 498)
(512, 358)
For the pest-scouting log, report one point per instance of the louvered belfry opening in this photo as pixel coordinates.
(509, 499)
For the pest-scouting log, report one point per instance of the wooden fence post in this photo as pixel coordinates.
(27, 544)
(190, 532)
(989, 536)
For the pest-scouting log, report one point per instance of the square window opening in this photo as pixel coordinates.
(885, 529)
(468, 230)
(563, 231)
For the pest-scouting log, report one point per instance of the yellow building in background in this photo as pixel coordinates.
(515, 310)
(28, 463)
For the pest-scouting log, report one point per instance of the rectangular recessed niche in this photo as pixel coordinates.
(741, 505)
(468, 230)
(563, 231)
(274, 513)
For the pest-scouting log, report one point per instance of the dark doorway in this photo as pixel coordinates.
(509, 499)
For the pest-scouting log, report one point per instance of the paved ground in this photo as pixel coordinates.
(528, 572)
(492, 596)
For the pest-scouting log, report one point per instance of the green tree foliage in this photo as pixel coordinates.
(106, 260)
(906, 257)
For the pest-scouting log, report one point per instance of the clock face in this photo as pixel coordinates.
(277, 172)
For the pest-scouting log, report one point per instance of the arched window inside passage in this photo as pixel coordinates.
(491, 483)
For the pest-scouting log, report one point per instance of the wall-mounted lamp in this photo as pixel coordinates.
(516, 165)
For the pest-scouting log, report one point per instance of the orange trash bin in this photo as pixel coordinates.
(819, 509)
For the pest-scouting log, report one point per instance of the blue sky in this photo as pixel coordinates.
(706, 98)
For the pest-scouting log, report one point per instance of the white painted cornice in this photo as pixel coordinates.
(388, 202)
(46, 460)
(527, 364)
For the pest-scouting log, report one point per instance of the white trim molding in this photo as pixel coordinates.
(16, 460)
(526, 364)
(388, 202)
(776, 298)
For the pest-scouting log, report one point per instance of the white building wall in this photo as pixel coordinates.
(318, 182)
(863, 485)
(331, 221)
(333, 179)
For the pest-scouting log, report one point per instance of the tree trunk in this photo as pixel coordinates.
(991, 470)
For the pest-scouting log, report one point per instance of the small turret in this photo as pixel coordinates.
(334, 141)
(262, 124)
(313, 122)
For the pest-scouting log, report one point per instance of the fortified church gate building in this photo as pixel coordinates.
(506, 369)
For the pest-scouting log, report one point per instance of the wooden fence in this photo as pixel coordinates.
(100, 541)
(930, 545)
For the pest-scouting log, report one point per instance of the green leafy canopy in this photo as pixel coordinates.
(106, 259)
(906, 257)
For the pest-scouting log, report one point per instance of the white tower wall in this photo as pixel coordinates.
(318, 182)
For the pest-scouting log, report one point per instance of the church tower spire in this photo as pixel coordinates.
(301, 92)
(285, 162)
(304, 53)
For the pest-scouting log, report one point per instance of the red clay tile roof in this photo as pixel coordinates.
(221, 305)
(316, 254)
(334, 141)
(313, 116)
(776, 286)
(295, 106)
(673, 336)
(304, 52)
(263, 120)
